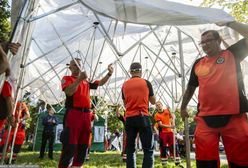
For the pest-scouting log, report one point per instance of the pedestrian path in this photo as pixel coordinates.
(192, 156)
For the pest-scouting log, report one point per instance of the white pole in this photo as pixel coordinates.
(186, 125)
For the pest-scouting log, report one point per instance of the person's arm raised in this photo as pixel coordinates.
(106, 78)
(241, 28)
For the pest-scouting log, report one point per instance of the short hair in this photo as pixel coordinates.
(159, 102)
(214, 32)
(48, 107)
(73, 60)
(135, 67)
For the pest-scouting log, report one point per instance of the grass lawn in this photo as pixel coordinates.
(110, 159)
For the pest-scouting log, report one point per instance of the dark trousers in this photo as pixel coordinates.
(47, 136)
(141, 125)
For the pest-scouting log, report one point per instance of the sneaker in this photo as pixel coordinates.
(177, 160)
(87, 158)
(164, 160)
(124, 157)
(13, 161)
(164, 163)
(6, 161)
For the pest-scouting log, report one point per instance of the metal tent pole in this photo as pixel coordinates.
(186, 125)
(25, 35)
(36, 128)
(14, 34)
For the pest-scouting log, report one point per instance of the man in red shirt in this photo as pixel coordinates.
(222, 101)
(20, 120)
(136, 94)
(6, 92)
(76, 132)
(165, 121)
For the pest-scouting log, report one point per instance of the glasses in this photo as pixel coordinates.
(207, 42)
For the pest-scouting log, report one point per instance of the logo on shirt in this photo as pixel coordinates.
(220, 60)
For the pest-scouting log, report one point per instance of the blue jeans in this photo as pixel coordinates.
(141, 125)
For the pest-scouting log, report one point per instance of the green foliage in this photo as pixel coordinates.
(104, 109)
(113, 122)
(238, 9)
(179, 122)
(32, 120)
(5, 26)
(33, 110)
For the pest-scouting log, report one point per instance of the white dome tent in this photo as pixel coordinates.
(53, 32)
(155, 33)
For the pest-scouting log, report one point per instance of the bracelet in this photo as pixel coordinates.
(109, 74)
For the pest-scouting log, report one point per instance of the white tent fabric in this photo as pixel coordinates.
(92, 30)
(159, 12)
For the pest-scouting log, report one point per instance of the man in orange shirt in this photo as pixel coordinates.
(222, 101)
(165, 121)
(136, 94)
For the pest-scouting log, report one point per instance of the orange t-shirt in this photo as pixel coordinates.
(220, 81)
(135, 93)
(165, 118)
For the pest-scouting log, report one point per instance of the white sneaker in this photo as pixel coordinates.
(177, 160)
(164, 160)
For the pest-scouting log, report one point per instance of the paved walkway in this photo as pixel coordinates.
(192, 156)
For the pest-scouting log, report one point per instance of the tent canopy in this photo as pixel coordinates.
(162, 35)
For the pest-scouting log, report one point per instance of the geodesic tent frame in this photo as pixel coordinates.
(52, 32)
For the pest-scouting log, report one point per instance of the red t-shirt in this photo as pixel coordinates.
(81, 98)
(6, 92)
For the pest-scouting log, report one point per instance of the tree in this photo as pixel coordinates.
(179, 122)
(5, 26)
(104, 109)
(113, 122)
(238, 9)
